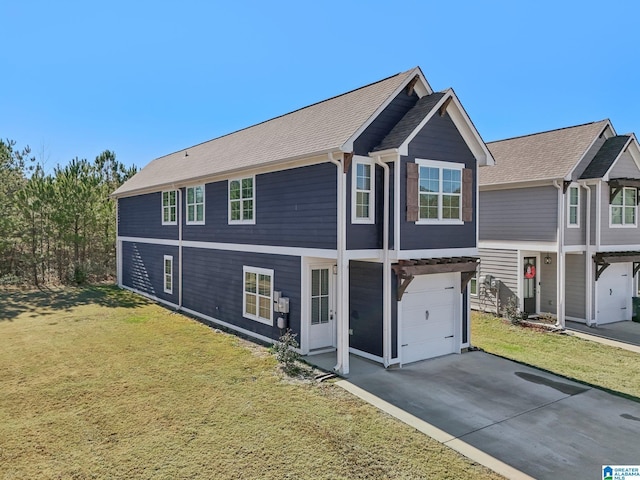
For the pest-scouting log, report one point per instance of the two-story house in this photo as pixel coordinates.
(351, 221)
(559, 225)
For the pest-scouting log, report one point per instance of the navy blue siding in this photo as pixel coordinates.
(294, 208)
(141, 216)
(439, 140)
(382, 125)
(365, 306)
(213, 285)
(142, 269)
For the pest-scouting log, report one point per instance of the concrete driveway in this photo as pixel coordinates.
(541, 424)
(627, 332)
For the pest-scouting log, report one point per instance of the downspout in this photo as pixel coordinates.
(386, 271)
(342, 327)
(560, 273)
(118, 249)
(179, 247)
(588, 268)
(598, 244)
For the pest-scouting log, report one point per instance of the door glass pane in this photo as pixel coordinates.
(315, 311)
(315, 283)
(325, 281)
(324, 308)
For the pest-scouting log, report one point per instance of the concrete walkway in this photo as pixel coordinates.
(620, 334)
(518, 421)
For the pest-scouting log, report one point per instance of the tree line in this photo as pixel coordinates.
(60, 227)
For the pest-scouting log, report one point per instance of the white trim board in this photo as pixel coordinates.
(238, 247)
(519, 245)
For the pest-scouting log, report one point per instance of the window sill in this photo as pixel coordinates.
(439, 222)
(194, 223)
(241, 222)
(363, 221)
(169, 223)
(622, 226)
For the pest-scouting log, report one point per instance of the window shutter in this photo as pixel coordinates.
(467, 195)
(412, 192)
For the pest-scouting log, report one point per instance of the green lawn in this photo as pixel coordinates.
(590, 362)
(98, 383)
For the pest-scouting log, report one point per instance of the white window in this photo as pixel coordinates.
(257, 301)
(573, 214)
(168, 274)
(473, 285)
(169, 208)
(195, 205)
(439, 192)
(242, 200)
(622, 211)
(363, 192)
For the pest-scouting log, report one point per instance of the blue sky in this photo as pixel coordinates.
(148, 78)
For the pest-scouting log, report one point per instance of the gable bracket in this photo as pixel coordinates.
(411, 85)
(613, 192)
(406, 270)
(348, 157)
(565, 185)
(636, 268)
(465, 278)
(403, 285)
(600, 267)
(443, 108)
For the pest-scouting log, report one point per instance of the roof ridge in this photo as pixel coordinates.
(547, 131)
(289, 113)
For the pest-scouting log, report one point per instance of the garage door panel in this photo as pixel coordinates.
(614, 294)
(426, 336)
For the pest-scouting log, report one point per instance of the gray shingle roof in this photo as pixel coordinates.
(541, 156)
(605, 157)
(401, 131)
(315, 129)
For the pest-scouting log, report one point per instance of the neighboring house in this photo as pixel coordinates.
(560, 208)
(359, 211)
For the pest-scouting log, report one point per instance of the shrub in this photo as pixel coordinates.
(513, 313)
(285, 353)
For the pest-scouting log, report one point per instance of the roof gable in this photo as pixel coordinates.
(606, 157)
(541, 156)
(310, 131)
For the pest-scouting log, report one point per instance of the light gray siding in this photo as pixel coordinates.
(575, 286)
(503, 266)
(547, 277)
(625, 167)
(615, 235)
(519, 214)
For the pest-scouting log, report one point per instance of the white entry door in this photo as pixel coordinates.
(322, 309)
(614, 294)
(429, 309)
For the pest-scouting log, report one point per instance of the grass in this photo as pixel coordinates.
(98, 383)
(600, 365)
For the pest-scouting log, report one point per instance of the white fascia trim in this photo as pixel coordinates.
(425, 87)
(569, 175)
(519, 245)
(464, 125)
(634, 149)
(371, 219)
(237, 247)
(230, 326)
(373, 255)
(575, 248)
(149, 296)
(435, 253)
(366, 355)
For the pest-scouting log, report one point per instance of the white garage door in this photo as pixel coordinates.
(614, 293)
(429, 308)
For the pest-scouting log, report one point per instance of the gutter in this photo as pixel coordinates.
(179, 248)
(560, 271)
(386, 270)
(588, 268)
(342, 327)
